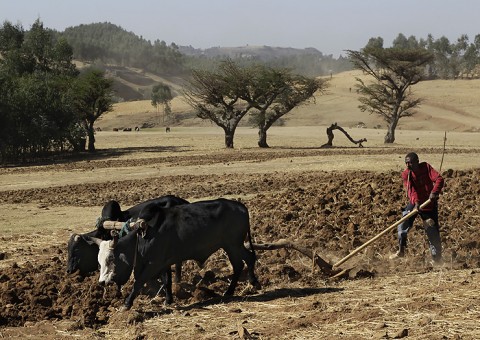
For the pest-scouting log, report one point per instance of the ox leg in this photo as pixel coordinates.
(178, 272)
(249, 257)
(237, 264)
(137, 286)
(166, 277)
(149, 272)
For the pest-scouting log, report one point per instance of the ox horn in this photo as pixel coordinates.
(96, 240)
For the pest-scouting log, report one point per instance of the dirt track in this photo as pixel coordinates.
(329, 212)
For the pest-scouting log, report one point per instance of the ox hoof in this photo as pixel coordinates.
(256, 285)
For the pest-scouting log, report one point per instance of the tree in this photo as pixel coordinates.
(273, 93)
(227, 95)
(394, 70)
(216, 96)
(94, 98)
(472, 53)
(161, 94)
(36, 74)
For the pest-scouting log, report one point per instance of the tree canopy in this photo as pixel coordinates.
(393, 70)
(46, 105)
(225, 96)
(36, 74)
(93, 97)
(273, 93)
(162, 95)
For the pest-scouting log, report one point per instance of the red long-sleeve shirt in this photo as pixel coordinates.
(421, 182)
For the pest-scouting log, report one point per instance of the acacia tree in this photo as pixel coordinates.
(216, 96)
(161, 94)
(273, 93)
(394, 70)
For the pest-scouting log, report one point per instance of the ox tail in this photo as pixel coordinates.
(252, 249)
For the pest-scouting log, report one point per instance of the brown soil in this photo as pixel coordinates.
(331, 213)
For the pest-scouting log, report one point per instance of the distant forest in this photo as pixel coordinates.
(110, 44)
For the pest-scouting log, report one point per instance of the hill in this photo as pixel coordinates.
(258, 52)
(449, 105)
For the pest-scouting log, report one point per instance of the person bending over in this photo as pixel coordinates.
(421, 182)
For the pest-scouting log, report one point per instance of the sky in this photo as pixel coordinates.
(331, 26)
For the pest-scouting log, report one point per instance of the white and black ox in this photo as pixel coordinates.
(83, 252)
(169, 235)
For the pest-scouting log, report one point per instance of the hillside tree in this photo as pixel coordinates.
(94, 97)
(162, 95)
(394, 71)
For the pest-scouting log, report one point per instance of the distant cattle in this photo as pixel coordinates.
(82, 252)
(167, 129)
(169, 235)
(137, 128)
(127, 129)
(115, 129)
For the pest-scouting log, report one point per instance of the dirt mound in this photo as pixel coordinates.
(330, 213)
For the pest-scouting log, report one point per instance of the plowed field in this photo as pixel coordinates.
(328, 200)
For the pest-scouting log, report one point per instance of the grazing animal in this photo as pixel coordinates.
(167, 129)
(83, 253)
(137, 128)
(169, 235)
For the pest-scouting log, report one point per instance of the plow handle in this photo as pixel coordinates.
(406, 217)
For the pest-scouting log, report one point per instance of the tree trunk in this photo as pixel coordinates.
(262, 138)
(229, 138)
(91, 138)
(390, 136)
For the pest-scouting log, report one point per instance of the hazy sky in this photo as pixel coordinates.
(329, 26)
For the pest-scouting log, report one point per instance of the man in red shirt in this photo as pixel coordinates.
(421, 182)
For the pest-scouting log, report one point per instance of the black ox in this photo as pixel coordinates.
(171, 235)
(83, 253)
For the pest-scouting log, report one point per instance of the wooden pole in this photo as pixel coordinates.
(115, 225)
(406, 217)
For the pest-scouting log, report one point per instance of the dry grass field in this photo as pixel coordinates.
(329, 200)
(448, 106)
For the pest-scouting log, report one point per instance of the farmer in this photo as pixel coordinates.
(421, 182)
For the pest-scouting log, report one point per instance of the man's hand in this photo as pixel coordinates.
(433, 197)
(417, 206)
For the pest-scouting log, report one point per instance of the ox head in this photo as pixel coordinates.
(83, 251)
(82, 255)
(116, 258)
(112, 211)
